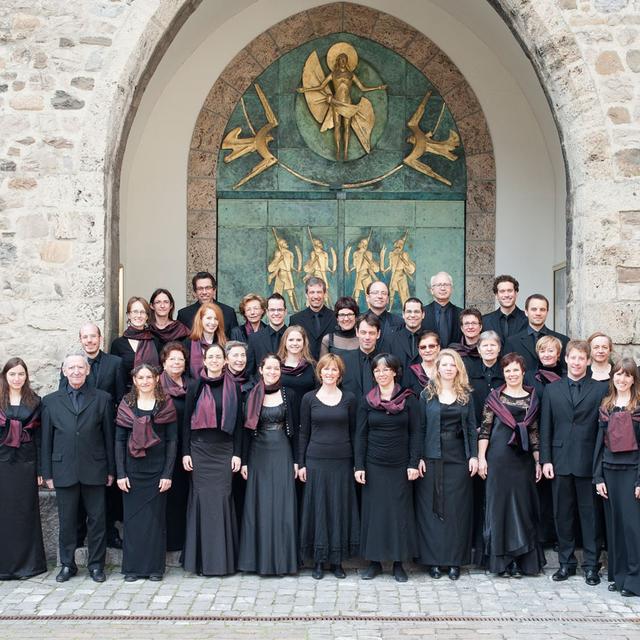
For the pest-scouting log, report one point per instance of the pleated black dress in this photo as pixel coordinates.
(512, 509)
(444, 498)
(269, 539)
(21, 547)
(330, 522)
(144, 539)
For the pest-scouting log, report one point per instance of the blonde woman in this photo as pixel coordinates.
(297, 362)
(444, 496)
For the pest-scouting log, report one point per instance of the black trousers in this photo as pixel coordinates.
(572, 495)
(92, 498)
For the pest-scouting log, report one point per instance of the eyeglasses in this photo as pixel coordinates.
(136, 312)
(471, 324)
(424, 347)
(279, 310)
(203, 289)
(383, 370)
(346, 314)
(441, 285)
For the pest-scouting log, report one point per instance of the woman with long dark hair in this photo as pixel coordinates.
(146, 444)
(161, 322)
(21, 549)
(208, 329)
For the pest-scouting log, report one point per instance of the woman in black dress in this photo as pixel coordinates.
(269, 538)
(508, 453)
(161, 321)
(444, 496)
(297, 361)
(387, 453)
(253, 308)
(417, 376)
(330, 523)
(137, 345)
(146, 444)
(616, 475)
(211, 443)
(21, 550)
(208, 329)
(344, 337)
(174, 384)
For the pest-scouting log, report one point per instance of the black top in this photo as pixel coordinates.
(358, 377)
(302, 383)
(605, 458)
(22, 413)
(316, 325)
(451, 418)
(517, 408)
(187, 314)
(483, 380)
(505, 325)
(326, 431)
(121, 347)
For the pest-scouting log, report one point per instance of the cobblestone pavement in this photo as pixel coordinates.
(245, 606)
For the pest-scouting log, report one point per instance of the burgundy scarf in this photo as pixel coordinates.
(254, 403)
(146, 353)
(142, 435)
(18, 431)
(239, 378)
(520, 436)
(297, 370)
(620, 436)
(205, 416)
(174, 331)
(249, 329)
(546, 376)
(423, 378)
(196, 356)
(172, 388)
(463, 349)
(395, 405)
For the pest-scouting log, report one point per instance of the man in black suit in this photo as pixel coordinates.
(441, 315)
(378, 301)
(205, 288)
(317, 319)
(268, 339)
(536, 307)
(568, 429)
(404, 342)
(358, 377)
(78, 461)
(508, 319)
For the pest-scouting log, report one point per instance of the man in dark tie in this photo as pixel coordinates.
(317, 319)
(536, 308)
(378, 301)
(404, 342)
(508, 319)
(268, 339)
(568, 430)
(358, 377)
(205, 288)
(441, 315)
(78, 461)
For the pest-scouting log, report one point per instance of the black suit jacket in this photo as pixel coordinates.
(355, 366)
(429, 323)
(568, 433)
(109, 378)
(259, 344)
(78, 447)
(524, 344)
(305, 319)
(187, 314)
(389, 324)
(516, 320)
(404, 345)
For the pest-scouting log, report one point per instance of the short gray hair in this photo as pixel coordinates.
(75, 354)
(443, 273)
(231, 344)
(489, 335)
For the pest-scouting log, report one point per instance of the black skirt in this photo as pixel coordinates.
(388, 529)
(268, 543)
(211, 539)
(330, 523)
(21, 549)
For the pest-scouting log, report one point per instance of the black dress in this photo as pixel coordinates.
(121, 347)
(386, 445)
(21, 549)
(512, 508)
(269, 538)
(144, 539)
(330, 523)
(444, 539)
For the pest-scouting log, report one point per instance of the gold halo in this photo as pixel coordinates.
(336, 50)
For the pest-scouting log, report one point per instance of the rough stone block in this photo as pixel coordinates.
(393, 33)
(480, 258)
(83, 82)
(326, 19)
(481, 196)
(62, 100)
(56, 251)
(201, 164)
(619, 115)
(26, 184)
(359, 19)
(627, 275)
(443, 73)
(264, 49)
(222, 99)
(475, 135)
(201, 255)
(241, 71)
(292, 31)
(420, 51)
(27, 102)
(608, 63)
(201, 224)
(628, 162)
(633, 60)
(201, 194)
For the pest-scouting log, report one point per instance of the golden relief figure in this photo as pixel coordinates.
(335, 109)
(318, 264)
(363, 264)
(281, 270)
(402, 268)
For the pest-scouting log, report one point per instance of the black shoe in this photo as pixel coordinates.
(374, 569)
(612, 587)
(114, 541)
(318, 571)
(503, 574)
(338, 571)
(66, 573)
(435, 573)
(454, 573)
(514, 570)
(155, 577)
(628, 594)
(399, 573)
(591, 577)
(130, 578)
(97, 575)
(563, 573)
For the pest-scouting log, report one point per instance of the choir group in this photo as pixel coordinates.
(440, 436)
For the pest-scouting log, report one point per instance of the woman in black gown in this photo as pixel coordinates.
(174, 384)
(344, 337)
(208, 329)
(146, 444)
(269, 538)
(508, 452)
(161, 322)
(330, 523)
(387, 453)
(211, 444)
(137, 345)
(297, 361)
(252, 307)
(21, 550)
(444, 496)
(417, 376)
(616, 475)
